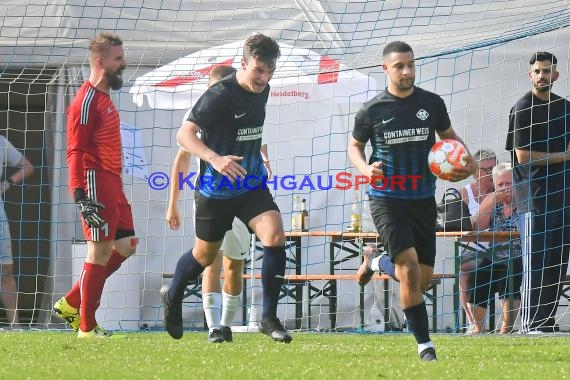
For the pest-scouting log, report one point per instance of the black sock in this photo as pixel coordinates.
(418, 322)
(272, 272)
(187, 269)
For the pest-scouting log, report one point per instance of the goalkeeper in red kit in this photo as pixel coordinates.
(94, 160)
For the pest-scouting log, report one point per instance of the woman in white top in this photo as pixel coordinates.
(472, 194)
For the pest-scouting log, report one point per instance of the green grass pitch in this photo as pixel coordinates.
(154, 355)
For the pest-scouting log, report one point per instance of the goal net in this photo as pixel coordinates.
(472, 53)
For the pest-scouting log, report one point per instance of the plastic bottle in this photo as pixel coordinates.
(367, 222)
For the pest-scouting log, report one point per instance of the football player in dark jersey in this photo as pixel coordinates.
(230, 117)
(400, 123)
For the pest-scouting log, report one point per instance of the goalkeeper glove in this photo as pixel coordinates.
(89, 209)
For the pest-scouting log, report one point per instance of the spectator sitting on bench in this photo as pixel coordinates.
(497, 213)
(473, 194)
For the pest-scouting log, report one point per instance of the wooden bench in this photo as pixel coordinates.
(310, 291)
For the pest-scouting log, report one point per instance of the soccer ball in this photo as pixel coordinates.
(444, 155)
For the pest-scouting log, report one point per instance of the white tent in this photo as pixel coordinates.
(301, 75)
(157, 31)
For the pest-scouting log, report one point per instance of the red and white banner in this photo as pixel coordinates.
(301, 75)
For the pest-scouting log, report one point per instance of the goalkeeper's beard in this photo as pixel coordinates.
(115, 79)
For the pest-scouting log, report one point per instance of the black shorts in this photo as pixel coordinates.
(406, 223)
(214, 217)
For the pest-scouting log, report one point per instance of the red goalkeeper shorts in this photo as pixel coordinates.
(107, 188)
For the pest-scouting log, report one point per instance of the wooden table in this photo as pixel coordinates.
(340, 253)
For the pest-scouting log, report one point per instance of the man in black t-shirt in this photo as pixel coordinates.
(230, 116)
(538, 138)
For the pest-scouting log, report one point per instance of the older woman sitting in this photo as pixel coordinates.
(497, 213)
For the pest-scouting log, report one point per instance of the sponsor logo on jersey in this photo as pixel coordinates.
(406, 135)
(247, 134)
(422, 114)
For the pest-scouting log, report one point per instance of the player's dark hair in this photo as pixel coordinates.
(543, 56)
(396, 47)
(261, 47)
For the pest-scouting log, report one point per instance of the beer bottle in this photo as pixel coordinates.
(356, 215)
(304, 216)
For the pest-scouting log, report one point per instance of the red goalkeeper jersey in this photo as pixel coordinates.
(93, 135)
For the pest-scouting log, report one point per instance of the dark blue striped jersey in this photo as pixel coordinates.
(231, 120)
(401, 132)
